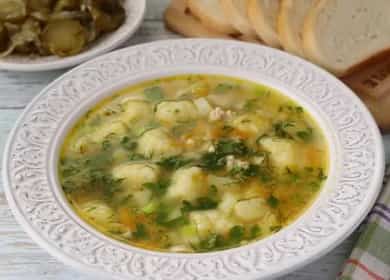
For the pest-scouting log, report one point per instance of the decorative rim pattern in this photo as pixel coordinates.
(356, 173)
(135, 11)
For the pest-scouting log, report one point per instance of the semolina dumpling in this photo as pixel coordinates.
(109, 129)
(137, 110)
(252, 124)
(176, 111)
(134, 175)
(157, 143)
(98, 211)
(188, 183)
(251, 209)
(283, 152)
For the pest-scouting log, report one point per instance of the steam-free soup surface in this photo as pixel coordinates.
(193, 163)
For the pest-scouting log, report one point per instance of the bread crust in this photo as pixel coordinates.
(178, 20)
(312, 48)
(375, 58)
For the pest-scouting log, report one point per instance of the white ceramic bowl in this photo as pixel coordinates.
(135, 11)
(355, 175)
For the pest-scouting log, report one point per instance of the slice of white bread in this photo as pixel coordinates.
(290, 24)
(341, 34)
(211, 15)
(178, 20)
(263, 16)
(237, 13)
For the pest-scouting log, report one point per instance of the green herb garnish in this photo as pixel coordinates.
(216, 160)
(280, 129)
(255, 231)
(236, 233)
(174, 162)
(128, 143)
(158, 188)
(106, 145)
(202, 203)
(273, 202)
(305, 135)
(154, 94)
(244, 173)
(141, 232)
(214, 241)
(275, 228)
(223, 87)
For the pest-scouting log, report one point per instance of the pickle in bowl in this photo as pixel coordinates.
(55, 27)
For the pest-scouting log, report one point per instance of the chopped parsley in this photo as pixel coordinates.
(174, 162)
(216, 160)
(321, 174)
(158, 188)
(273, 202)
(292, 176)
(214, 241)
(128, 143)
(154, 94)
(202, 203)
(251, 104)
(231, 147)
(291, 109)
(305, 135)
(106, 144)
(213, 190)
(236, 233)
(280, 129)
(224, 87)
(275, 228)
(265, 175)
(255, 231)
(212, 161)
(163, 217)
(242, 173)
(89, 174)
(141, 232)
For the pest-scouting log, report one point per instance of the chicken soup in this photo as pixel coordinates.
(193, 163)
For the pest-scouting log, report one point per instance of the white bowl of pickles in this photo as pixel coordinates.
(41, 35)
(193, 159)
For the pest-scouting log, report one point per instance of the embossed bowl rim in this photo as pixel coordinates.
(135, 10)
(355, 175)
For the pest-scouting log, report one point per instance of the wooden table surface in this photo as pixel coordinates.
(20, 257)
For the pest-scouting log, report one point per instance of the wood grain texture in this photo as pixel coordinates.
(20, 257)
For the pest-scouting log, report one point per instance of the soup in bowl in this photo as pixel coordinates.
(193, 163)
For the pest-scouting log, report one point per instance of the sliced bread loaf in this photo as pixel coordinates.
(178, 20)
(341, 34)
(263, 16)
(290, 24)
(211, 15)
(237, 13)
